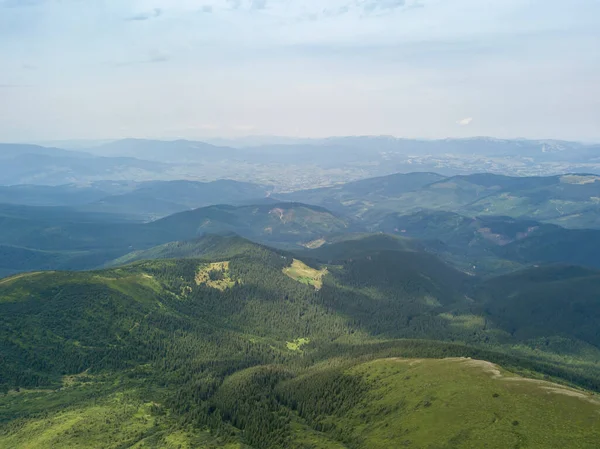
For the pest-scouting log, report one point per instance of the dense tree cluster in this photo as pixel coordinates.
(220, 356)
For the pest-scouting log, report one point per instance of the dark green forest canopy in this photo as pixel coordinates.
(247, 355)
(484, 223)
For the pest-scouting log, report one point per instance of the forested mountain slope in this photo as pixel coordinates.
(154, 200)
(238, 349)
(570, 200)
(486, 241)
(72, 239)
(356, 195)
(283, 224)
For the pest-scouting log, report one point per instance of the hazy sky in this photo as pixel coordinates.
(91, 69)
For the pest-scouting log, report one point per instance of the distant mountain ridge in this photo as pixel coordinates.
(571, 200)
(71, 237)
(152, 200)
(285, 162)
(489, 215)
(135, 200)
(482, 238)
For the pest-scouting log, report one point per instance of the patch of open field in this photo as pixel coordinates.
(297, 344)
(301, 272)
(215, 275)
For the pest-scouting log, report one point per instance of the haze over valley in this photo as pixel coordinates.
(294, 165)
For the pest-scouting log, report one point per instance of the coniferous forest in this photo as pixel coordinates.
(252, 347)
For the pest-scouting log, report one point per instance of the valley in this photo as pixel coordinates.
(289, 164)
(483, 223)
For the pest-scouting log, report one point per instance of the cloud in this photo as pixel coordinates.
(244, 127)
(273, 67)
(157, 58)
(20, 3)
(234, 4)
(154, 58)
(336, 12)
(370, 6)
(258, 4)
(145, 16)
(366, 8)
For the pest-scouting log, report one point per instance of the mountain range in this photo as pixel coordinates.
(484, 223)
(570, 200)
(316, 298)
(290, 164)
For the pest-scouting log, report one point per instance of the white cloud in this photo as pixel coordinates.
(244, 127)
(208, 126)
(299, 66)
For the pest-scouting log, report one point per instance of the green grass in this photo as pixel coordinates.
(463, 403)
(297, 344)
(301, 272)
(100, 418)
(215, 275)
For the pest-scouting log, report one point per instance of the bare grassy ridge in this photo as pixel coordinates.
(466, 404)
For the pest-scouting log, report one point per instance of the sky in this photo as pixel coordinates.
(98, 69)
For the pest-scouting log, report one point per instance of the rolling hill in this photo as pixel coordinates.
(207, 246)
(141, 201)
(31, 164)
(342, 247)
(153, 200)
(359, 196)
(568, 200)
(176, 151)
(63, 195)
(490, 243)
(280, 224)
(73, 239)
(554, 302)
(232, 350)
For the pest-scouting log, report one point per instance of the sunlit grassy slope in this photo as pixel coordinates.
(96, 414)
(301, 272)
(230, 351)
(467, 403)
(454, 403)
(395, 402)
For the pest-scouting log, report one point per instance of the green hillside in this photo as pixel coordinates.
(486, 224)
(157, 199)
(360, 196)
(553, 303)
(453, 402)
(233, 350)
(207, 246)
(348, 246)
(570, 200)
(280, 224)
(489, 244)
(61, 238)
